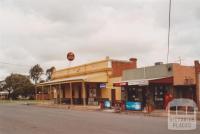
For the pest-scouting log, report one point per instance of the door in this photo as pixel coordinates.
(113, 95)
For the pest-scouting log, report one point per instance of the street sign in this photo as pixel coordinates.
(133, 105)
(102, 85)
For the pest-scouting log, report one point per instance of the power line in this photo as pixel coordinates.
(169, 31)
(19, 65)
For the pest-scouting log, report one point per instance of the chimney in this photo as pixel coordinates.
(197, 66)
(196, 62)
(134, 61)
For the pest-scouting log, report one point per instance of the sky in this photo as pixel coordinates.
(43, 31)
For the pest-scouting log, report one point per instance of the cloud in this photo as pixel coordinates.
(44, 31)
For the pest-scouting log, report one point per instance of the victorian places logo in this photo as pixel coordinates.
(182, 114)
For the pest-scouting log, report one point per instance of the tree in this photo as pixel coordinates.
(49, 73)
(35, 73)
(17, 84)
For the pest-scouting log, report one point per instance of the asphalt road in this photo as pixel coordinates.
(21, 119)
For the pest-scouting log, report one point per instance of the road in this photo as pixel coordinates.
(22, 119)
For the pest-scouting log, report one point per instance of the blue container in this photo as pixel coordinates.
(107, 104)
(136, 106)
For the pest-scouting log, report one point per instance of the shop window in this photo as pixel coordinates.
(159, 93)
(135, 94)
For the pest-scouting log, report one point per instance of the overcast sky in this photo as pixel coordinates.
(43, 31)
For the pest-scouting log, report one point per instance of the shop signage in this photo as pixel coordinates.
(70, 56)
(102, 85)
(133, 105)
(120, 84)
(138, 82)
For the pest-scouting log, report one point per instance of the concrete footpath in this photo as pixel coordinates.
(163, 113)
(155, 113)
(71, 107)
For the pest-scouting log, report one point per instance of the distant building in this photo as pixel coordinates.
(2, 84)
(3, 92)
(86, 84)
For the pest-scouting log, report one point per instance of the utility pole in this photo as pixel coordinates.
(169, 31)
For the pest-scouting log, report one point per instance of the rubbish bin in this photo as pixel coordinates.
(101, 103)
(107, 104)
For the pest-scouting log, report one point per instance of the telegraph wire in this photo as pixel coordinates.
(13, 64)
(17, 65)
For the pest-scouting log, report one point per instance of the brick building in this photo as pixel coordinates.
(197, 75)
(155, 82)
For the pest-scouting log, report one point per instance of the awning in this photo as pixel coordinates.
(144, 82)
(64, 80)
(141, 82)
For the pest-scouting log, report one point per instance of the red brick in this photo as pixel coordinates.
(119, 66)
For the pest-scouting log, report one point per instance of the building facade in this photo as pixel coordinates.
(197, 75)
(158, 84)
(87, 84)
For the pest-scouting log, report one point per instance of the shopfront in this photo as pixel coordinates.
(94, 93)
(135, 95)
(87, 84)
(146, 92)
(76, 91)
(157, 85)
(160, 94)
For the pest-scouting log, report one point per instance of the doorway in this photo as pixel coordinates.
(113, 95)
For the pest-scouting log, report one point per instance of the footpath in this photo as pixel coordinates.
(155, 113)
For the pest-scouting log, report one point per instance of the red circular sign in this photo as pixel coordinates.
(70, 56)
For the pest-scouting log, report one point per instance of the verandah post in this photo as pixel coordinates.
(84, 93)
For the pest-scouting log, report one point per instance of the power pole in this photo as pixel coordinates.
(169, 31)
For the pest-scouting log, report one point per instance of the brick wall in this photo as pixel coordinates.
(119, 66)
(184, 75)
